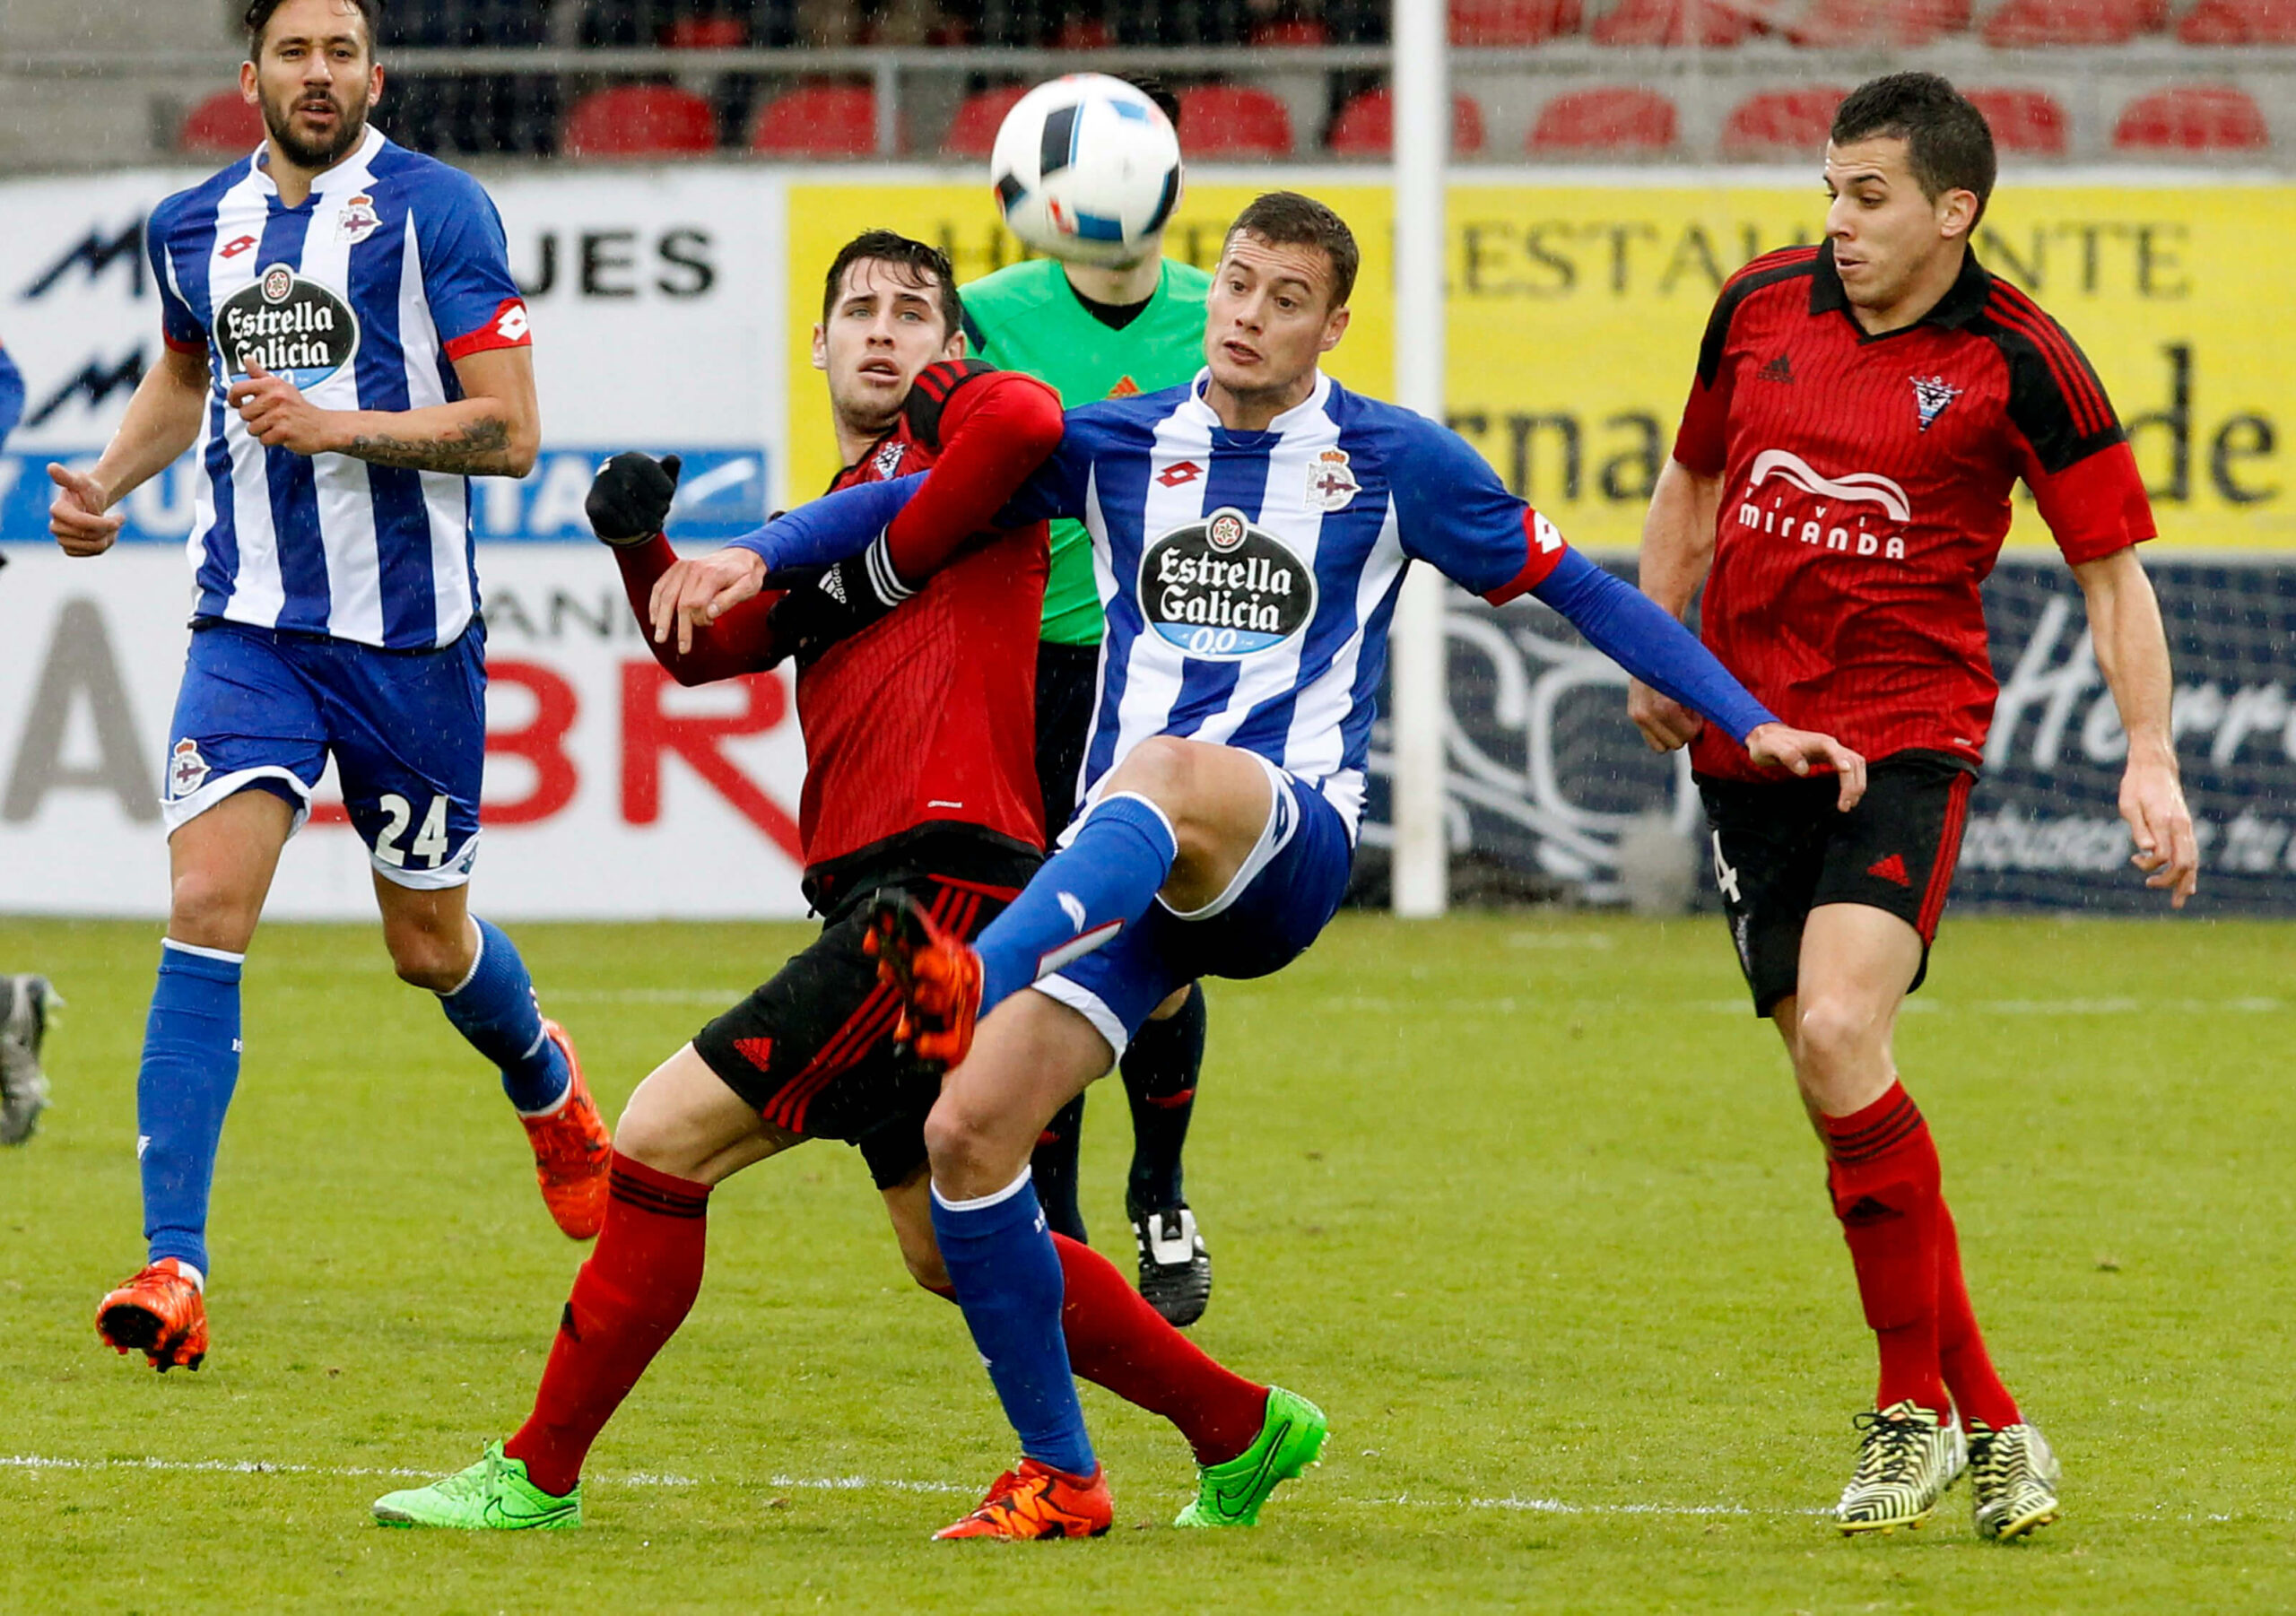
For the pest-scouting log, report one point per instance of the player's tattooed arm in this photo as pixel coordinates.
(478, 448)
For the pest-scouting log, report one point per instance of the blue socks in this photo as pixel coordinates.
(1006, 1273)
(1101, 883)
(191, 1065)
(494, 1008)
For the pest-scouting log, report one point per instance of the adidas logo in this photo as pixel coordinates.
(1777, 370)
(1890, 869)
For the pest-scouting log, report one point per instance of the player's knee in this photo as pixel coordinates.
(209, 910)
(1159, 768)
(1833, 1036)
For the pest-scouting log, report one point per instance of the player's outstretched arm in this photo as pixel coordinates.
(1677, 549)
(161, 424)
(2132, 655)
(629, 505)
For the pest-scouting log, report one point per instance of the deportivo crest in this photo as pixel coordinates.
(1331, 483)
(186, 769)
(1931, 395)
(889, 458)
(1220, 587)
(358, 220)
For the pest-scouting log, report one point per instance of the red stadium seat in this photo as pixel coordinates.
(1623, 117)
(1366, 126)
(1674, 22)
(972, 132)
(1782, 123)
(1234, 120)
(2240, 22)
(221, 125)
(1297, 32)
(639, 120)
(707, 33)
(2193, 117)
(2025, 120)
(2022, 24)
(820, 120)
(1842, 23)
(1513, 21)
(1083, 33)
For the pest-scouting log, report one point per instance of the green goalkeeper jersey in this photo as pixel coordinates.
(1027, 317)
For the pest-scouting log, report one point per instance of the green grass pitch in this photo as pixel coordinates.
(1525, 1201)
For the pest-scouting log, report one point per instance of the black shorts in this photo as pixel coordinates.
(812, 1051)
(1781, 849)
(1067, 677)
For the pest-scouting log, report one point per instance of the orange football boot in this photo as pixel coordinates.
(572, 1150)
(1037, 1501)
(158, 1313)
(937, 975)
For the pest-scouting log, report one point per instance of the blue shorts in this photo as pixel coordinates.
(407, 730)
(1284, 895)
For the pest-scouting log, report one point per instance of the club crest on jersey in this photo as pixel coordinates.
(358, 220)
(889, 458)
(1221, 587)
(186, 769)
(1931, 395)
(1331, 483)
(291, 326)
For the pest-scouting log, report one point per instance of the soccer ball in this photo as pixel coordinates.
(1086, 168)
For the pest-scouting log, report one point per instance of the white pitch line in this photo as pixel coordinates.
(265, 1467)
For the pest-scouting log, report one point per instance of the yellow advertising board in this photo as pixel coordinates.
(1576, 312)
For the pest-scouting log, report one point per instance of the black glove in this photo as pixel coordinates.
(629, 498)
(828, 604)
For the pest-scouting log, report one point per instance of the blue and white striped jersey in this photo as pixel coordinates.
(1249, 578)
(364, 297)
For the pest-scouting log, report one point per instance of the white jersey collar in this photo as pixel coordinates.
(1305, 409)
(351, 172)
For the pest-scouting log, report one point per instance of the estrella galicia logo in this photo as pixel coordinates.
(291, 326)
(1221, 587)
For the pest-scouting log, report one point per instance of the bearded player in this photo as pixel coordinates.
(1840, 486)
(1099, 332)
(917, 709)
(1250, 532)
(346, 347)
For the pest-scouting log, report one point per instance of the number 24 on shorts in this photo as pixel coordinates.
(430, 845)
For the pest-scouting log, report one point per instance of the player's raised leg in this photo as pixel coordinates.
(1857, 964)
(221, 862)
(683, 1133)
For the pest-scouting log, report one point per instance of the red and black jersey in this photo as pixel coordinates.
(929, 716)
(1865, 484)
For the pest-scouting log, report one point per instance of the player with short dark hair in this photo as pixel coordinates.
(347, 347)
(1094, 332)
(919, 729)
(1251, 532)
(1840, 486)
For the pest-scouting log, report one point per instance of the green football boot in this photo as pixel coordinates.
(492, 1495)
(1230, 1494)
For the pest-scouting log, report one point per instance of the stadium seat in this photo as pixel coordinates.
(1083, 33)
(1840, 24)
(706, 33)
(2021, 24)
(1777, 122)
(972, 132)
(1668, 22)
(2240, 22)
(1234, 120)
(639, 120)
(820, 120)
(1513, 21)
(1290, 33)
(2193, 117)
(221, 125)
(1366, 126)
(2025, 120)
(1625, 118)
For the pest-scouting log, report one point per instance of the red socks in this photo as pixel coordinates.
(629, 1299)
(1883, 1174)
(1978, 1392)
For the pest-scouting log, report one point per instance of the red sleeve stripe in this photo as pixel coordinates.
(1778, 259)
(1545, 550)
(183, 345)
(2083, 395)
(508, 328)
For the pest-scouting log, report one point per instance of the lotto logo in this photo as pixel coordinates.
(511, 325)
(236, 248)
(1179, 472)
